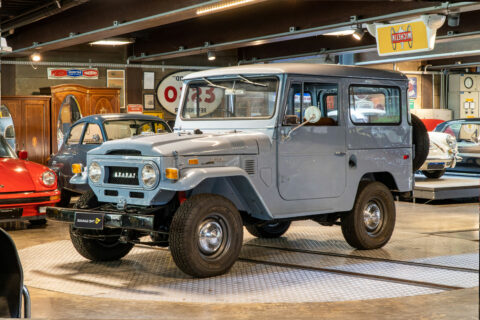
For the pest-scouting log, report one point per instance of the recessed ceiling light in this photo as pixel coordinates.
(113, 42)
(36, 57)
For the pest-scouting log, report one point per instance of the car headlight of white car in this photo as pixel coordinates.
(451, 141)
(94, 172)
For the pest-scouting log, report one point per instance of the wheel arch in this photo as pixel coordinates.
(232, 183)
(384, 177)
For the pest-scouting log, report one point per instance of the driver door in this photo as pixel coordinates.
(312, 160)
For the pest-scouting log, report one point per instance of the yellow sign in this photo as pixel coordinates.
(408, 37)
(153, 113)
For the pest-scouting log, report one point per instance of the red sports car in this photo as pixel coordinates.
(26, 188)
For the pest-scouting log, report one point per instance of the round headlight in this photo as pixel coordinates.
(48, 178)
(149, 176)
(452, 142)
(94, 172)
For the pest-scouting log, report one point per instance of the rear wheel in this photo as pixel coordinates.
(433, 174)
(370, 224)
(97, 245)
(206, 235)
(271, 230)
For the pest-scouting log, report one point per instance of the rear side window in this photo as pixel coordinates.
(75, 134)
(375, 105)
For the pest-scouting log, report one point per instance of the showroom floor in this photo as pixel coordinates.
(428, 270)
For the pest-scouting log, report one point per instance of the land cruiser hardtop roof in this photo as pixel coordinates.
(329, 70)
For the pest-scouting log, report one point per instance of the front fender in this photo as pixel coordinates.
(238, 178)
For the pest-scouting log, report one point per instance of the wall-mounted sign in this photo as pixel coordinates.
(135, 108)
(412, 87)
(203, 100)
(407, 37)
(72, 73)
(169, 91)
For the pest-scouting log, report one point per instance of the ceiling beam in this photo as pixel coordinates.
(21, 47)
(443, 8)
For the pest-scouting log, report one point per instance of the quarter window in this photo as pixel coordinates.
(93, 134)
(374, 105)
(75, 134)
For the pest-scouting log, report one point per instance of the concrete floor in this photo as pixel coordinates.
(439, 221)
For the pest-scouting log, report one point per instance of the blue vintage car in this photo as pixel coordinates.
(89, 133)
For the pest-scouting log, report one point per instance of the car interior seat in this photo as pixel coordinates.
(12, 290)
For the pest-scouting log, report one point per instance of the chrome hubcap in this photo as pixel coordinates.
(372, 216)
(210, 237)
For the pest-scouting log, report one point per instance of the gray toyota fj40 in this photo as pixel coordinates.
(255, 146)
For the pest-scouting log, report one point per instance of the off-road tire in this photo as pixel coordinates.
(65, 197)
(433, 174)
(354, 228)
(272, 230)
(420, 141)
(94, 249)
(184, 238)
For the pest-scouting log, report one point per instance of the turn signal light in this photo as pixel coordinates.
(77, 168)
(192, 161)
(55, 198)
(171, 173)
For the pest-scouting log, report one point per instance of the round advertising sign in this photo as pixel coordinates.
(169, 91)
(203, 100)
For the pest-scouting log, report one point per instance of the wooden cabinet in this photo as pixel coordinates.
(87, 100)
(31, 118)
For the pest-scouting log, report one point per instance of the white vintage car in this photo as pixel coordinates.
(443, 154)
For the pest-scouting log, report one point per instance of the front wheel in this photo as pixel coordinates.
(97, 245)
(271, 230)
(206, 235)
(370, 224)
(433, 174)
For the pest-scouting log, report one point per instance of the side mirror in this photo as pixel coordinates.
(22, 155)
(312, 114)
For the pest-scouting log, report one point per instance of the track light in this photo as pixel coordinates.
(358, 34)
(211, 55)
(36, 57)
(453, 19)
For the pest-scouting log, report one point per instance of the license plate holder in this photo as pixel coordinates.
(436, 165)
(87, 220)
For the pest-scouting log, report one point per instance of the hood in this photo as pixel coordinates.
(14, 176)
(188, 144)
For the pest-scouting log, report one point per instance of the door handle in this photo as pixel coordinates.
(340, 153)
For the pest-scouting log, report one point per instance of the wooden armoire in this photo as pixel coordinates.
(90, 101)
(31, 119)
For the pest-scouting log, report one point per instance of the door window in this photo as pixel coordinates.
(321, 95)
(93, 134)
(75, 134)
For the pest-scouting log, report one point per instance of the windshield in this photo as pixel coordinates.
(240, 98)
(5, 149)
(119, 129)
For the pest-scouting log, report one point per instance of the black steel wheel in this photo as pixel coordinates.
(433, 174)
(97, 245)
(270, 230)
(370, 224)
(206, 235)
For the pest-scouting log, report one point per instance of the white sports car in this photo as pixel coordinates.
(442, 155)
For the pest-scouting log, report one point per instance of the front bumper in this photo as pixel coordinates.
(110, 219)
(440, 163)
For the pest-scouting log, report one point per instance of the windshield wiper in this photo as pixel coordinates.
(252, 82)
(210, 83)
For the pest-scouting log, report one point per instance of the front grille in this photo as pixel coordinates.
(24, 200)
(123, 175)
